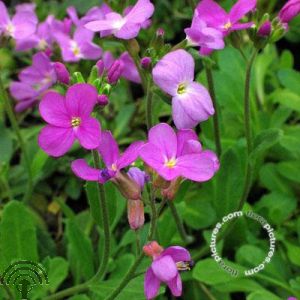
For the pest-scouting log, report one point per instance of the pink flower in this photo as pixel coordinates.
(22, 25)
(127, 26)
(114, 162)
(292, 298)
(178, 155)
(191, 102)
(216, 17)
(78, 47)
(289, 11)
(199, 34)
(33, 81)
(69, 119)
(165, 268)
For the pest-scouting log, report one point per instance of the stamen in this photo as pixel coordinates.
(184, 265)
(114, 167)
(75, 122)
(228, 25)
(171, 163)
(181, 89)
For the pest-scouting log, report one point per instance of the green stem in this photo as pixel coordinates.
(149, 97)
(69, 292)
(105, 216)
(211, 88)
(138, 242)
(207, 292)
(178, 222)
(153, 215)
(180, 45)
(14, 123)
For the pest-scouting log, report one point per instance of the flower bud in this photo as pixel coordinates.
(153, 249)
(135, 214)
(102, 100)
(139, 176)
(100, 66)
(172, 190)
(289, 11)
(146, 62)
(127, 186)
(115, 71)
(265, 29)
(62, 73)
(160, 183)
(160, 32)
(77, 78)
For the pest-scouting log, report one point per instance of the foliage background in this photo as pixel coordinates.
(56, 228)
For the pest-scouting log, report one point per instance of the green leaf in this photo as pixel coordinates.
(38, 163)
(92, 191)
(6, 145)
(293, 252)
(57, 269)
(262, 142)
(123, 119)
(287, 98)
(289, 170)
(263, 295)
(290, 79)
(81, 248)
(17, 234)
(277, 207)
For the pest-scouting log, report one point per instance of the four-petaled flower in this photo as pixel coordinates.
(69, 119)
(191, 102)
(178, 155)
(127, 26)
(165, 268)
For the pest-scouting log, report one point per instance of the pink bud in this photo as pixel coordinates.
(135, 214)
(146, 62)
(115, 71)
(100, 66)
(160, 32)
(153, 249)
(103, 100)
(62, 73)
(127, 186)
(265, 29)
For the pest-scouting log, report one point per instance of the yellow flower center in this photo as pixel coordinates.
(42, 45)
(10, 29)
(181, 89)
(114, 167)
(228, 25)
(75, 49)
(171, 163)
(75, 122)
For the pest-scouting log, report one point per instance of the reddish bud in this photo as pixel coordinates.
(115, 71)
(146, 62)
(102, 100)
(135, 214)
(265, 29)
(127, 186)
(153, 249)
(62, 73)
(100, 66)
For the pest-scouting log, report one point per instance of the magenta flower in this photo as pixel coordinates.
(69, 119)
(78, 47)
(292, 298)
(127, 26)
(165, 268)
(191, 102)
(114, 163)
(180, 155)
(216, 17)
(33, 81)
(289, 11)
(199, 34)
(22, 25)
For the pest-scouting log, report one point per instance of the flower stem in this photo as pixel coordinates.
(178, 222)
(211, 88)
(149, 97)
(14, 123)
(68, 292)
(152, 228)
(105, 216)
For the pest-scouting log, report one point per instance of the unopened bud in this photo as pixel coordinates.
(172, 190)
(127, 186)
(115, 71)
(135, 214)
(100, 66)
(265, 29)
(102, 100)
(62, 73)
(160, 183)
(146, 62)
(153, 249)
(160, 32)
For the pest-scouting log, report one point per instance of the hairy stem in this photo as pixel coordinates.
(211, 88)
(105, 216)
(14, 123)
(149, 97)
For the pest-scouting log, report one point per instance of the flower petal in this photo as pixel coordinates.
(164, 268)
(183, 137)
(164, 138)
(151, 284)
(140, 12)
(4, 17)
(128, 31)
(152, 156)
(53, 111)
(175, 286)
(241, 26)
(130, 155)
(56, 141)
(22, 91)
(82, 170)
(130, 72)
(108, 149)
(88, 133)
(240, 9)
(25, 24)
(91, 51)
(81, 99)
(177, 253)
(175, 68)
(196, 167)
